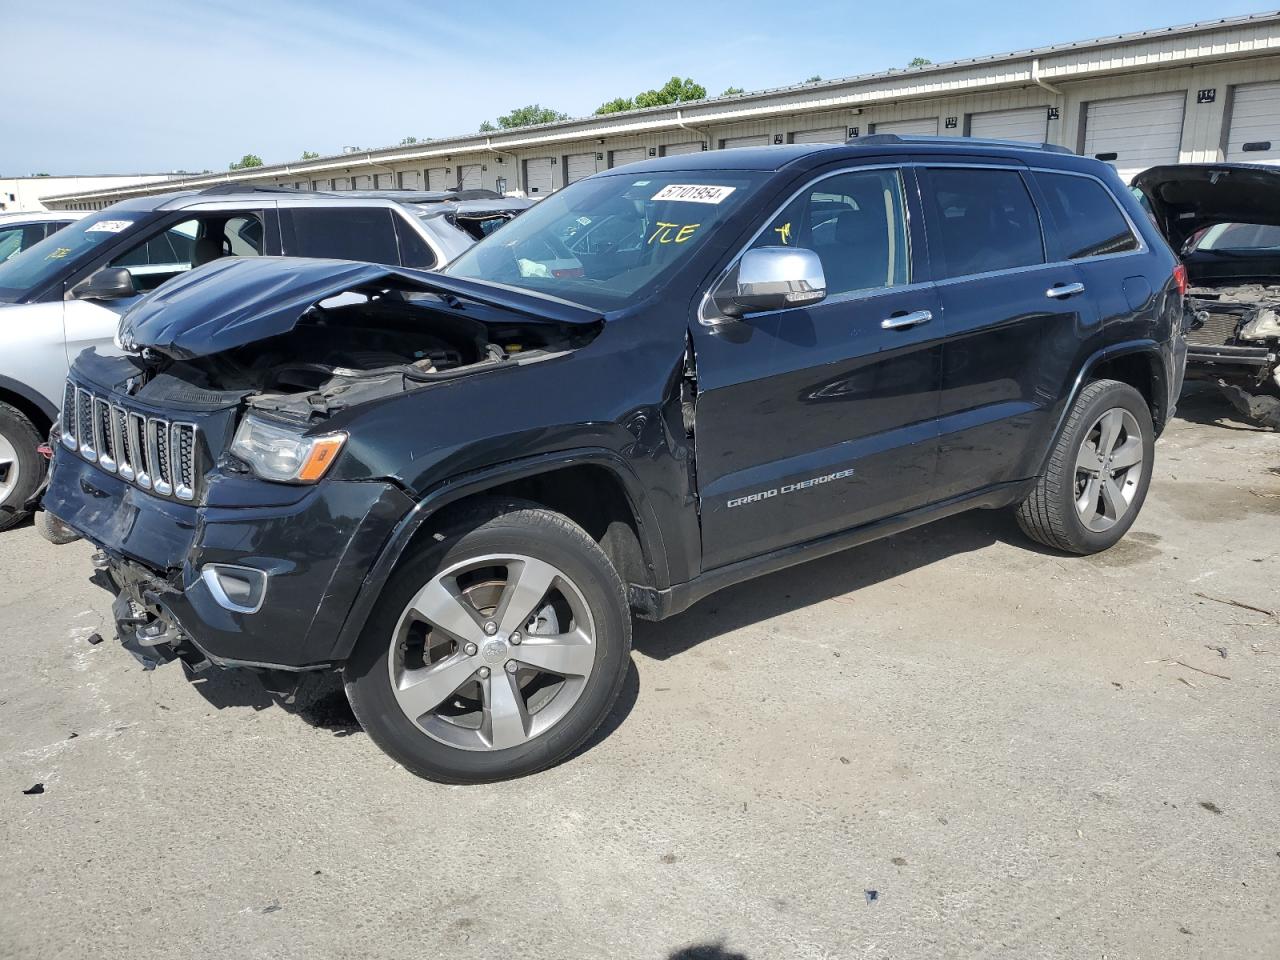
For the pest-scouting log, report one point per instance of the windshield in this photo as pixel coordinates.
(40, 264)
(606, 240)
(1240, 237)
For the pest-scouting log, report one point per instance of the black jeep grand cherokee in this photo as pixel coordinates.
(662, 380)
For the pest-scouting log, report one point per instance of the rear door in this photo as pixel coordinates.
(816, 419)
(1012, 322)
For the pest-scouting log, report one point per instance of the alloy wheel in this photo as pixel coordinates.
(1109, 469)
(492, 652)
(9, 468)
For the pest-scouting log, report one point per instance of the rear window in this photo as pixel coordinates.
(982, 221)
(1088, 223)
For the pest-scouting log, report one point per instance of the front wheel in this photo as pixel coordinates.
(495, 650)
(1098, 472)
(21, 467)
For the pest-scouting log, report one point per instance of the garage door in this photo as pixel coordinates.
(1136, 132)
(1031, 124)
(618, 157)
(579, 165)
(732, 143)
(1254, 132)
(410, 179)
(385, 181)
(438, 178)
(924, 127)
(364, 182)
(678, 149)
(342, 183)
(825, 135)
(469, 176)
(321, 184)
(538, 176)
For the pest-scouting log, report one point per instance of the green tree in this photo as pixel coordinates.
(732, 91)
(674, 90)
(616, 105)
(814, 79)
(525, 117)
(310, 155)
(247, 161)
(408, 141)
(919, 62)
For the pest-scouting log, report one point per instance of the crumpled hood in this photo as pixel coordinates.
(239, 300)
(1188, 197)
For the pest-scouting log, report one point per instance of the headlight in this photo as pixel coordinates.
(281, 453)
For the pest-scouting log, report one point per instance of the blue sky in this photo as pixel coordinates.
(158, 85)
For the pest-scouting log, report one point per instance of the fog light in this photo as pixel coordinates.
(235, 588)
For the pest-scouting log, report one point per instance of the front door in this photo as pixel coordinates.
(812, 420)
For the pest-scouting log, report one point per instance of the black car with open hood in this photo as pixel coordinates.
(1224, 220)
(457, 488)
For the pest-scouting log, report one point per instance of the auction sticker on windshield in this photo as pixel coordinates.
(110, 226)
(693, 193)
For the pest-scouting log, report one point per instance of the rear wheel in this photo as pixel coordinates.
(21, 467)
(495, 651)
(1098, 472)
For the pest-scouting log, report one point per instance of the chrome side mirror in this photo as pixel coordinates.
(775, 278)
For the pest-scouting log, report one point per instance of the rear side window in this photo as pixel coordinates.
(1086, 219)
(414, 251)
(341, 233)
(982, 220)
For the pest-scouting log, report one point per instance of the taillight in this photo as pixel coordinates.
(1180, 279)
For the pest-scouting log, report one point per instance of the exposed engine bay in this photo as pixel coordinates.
(339, 355)
(1244, 322)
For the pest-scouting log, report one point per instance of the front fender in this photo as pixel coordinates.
(477, 482)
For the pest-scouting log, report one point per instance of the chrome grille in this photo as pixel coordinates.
(150, 452)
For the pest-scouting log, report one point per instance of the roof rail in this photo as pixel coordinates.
(878, 138)
(406, 196)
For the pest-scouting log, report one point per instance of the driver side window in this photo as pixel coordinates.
(856, 223)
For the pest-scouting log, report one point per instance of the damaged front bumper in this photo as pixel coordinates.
(266, 586)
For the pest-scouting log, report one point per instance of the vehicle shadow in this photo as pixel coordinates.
(325, 705)
(706, 951)
(819, 580)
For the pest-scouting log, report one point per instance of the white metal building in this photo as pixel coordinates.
(1201, 92)
(26, 194)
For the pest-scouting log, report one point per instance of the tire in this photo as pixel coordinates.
(53, 529)
(505, 719)
(21, 467)
(1063, 510)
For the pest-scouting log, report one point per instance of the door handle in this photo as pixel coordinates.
(1066, 290)
(905, 320)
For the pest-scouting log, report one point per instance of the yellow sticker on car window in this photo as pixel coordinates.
(672, 232)
(59, 253)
